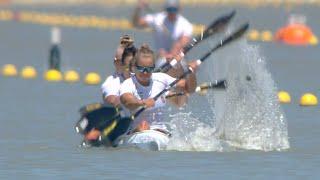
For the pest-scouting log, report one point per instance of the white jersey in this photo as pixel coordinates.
(159, 81)
(167, 32)
(111, 85)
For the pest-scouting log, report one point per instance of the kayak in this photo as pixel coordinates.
(151, 140)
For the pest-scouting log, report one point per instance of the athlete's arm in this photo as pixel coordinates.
(113, 100)
(127, 97)
(137, 20)
(179, 87)
(179, 45)
(132, 103)
(187, 85)
(178, 100)
(110, 91)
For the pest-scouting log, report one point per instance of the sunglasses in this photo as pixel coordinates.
(143, 69)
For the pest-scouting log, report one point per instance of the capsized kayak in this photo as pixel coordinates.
(152, 140)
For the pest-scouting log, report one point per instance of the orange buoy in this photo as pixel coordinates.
(295, 33)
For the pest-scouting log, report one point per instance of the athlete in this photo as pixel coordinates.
(172, 31)
(111, 87)
(140, 88)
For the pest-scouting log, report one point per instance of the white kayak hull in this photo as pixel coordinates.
(146, 140)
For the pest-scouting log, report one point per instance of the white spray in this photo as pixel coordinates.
(253, 118)
(247, 115)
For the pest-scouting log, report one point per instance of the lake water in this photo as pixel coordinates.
(258, 138)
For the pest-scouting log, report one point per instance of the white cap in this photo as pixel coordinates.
(172, 3)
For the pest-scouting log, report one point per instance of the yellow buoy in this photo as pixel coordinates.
(253, 35)
(71, 76)
(53, 75)
(308, 99)
(313, 40)
(28, 72)
(284, 97)
(9, 70)
(266, 36)
(92, 78)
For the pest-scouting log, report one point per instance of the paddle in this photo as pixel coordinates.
(221, 84)
(202, 89)
(93, 114)
(114, 127)
(215, 27)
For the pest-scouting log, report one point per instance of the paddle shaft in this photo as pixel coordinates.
(211, 85)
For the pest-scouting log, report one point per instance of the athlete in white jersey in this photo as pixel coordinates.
(172, 31)
(111, 87)
(122, 60)
(158, 82)
(140, 89)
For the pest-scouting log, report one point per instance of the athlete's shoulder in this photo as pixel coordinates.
(160, 14)
(128, 81)
(127, 86)
(155, 16)
(111, 85)
(183, 19)
(111, 79)
(161, 76)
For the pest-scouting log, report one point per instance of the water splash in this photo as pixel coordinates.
(252, 118)
(190, 134)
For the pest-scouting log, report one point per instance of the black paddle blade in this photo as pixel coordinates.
(237, 34)
(222, 84)
(95, 117)
(234, 36)
(202, 89)
(217, 26)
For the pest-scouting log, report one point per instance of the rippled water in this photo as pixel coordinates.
(215, 136)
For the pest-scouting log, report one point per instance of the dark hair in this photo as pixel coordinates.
(126, 41)
(129, 50)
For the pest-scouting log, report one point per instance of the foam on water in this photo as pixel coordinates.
(252, 118)
(190, 134)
